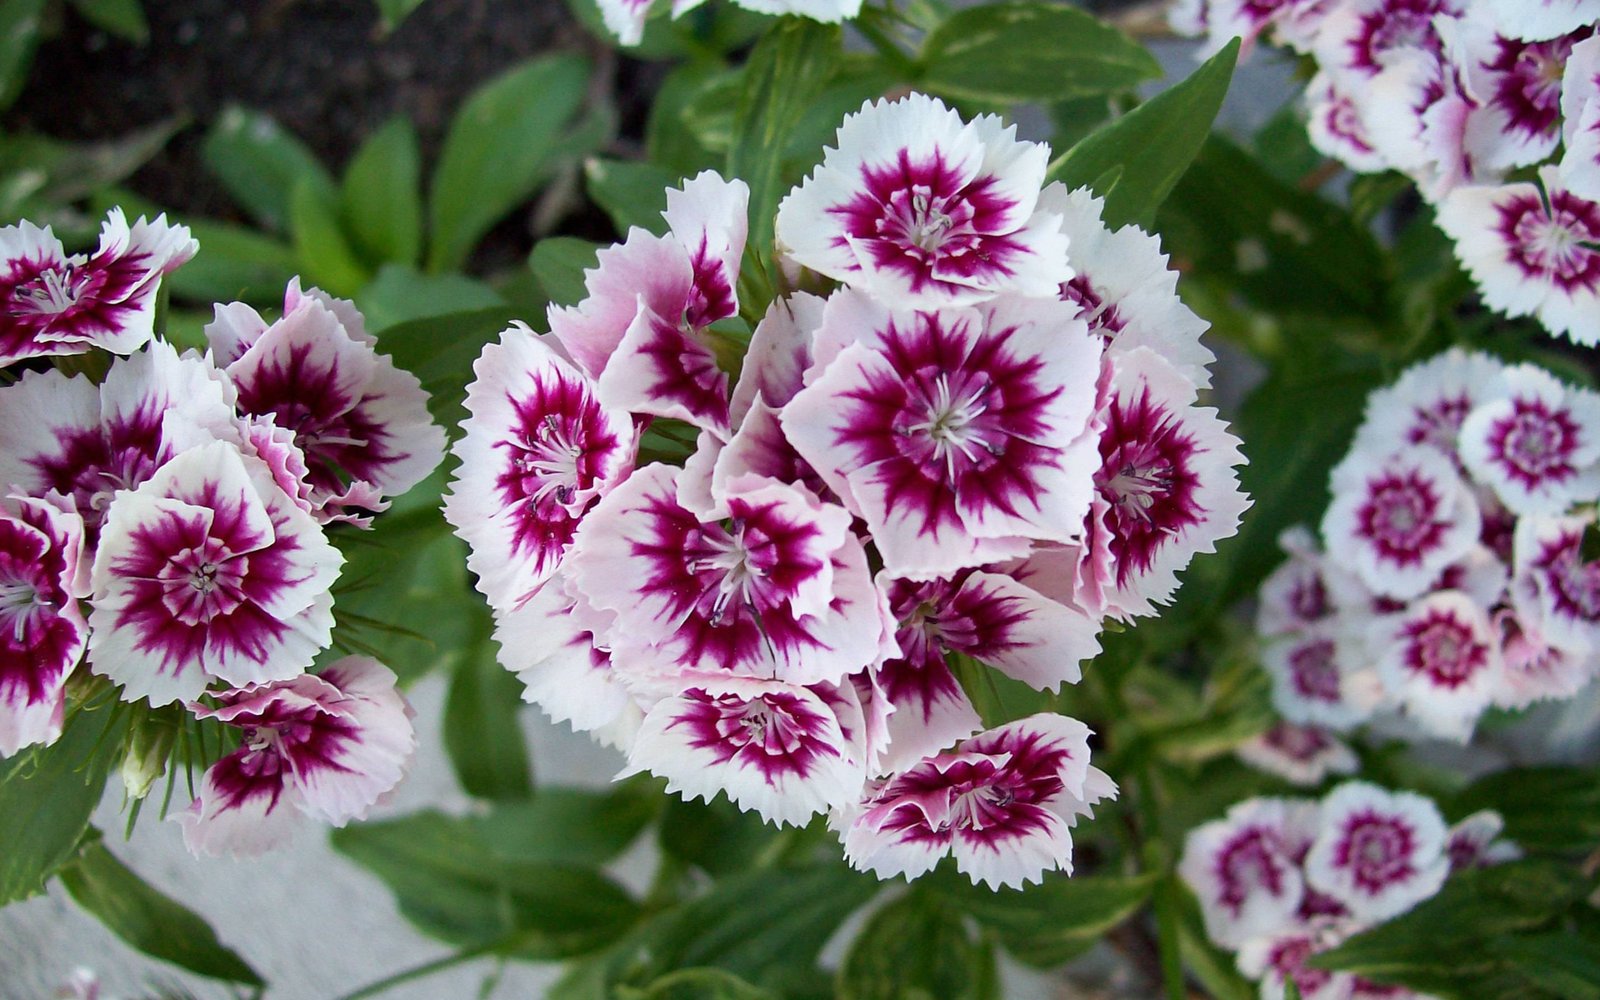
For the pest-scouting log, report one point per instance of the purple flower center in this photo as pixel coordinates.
(55, 290)
(775, 733)
(1528, 83)
(1376, 850)
(1289, 959)
(1445, 649)
(1308, 598)
(1548, 244)
(1394, 25)
(733, 569)
(1146, 479)
(1534, 443)
(1438, 423)
(1573, 585)
(202, 582)
(1102, 317)
(1246, 864)
(21, 608)
(1314, 671)
(951, 430)
(1297, 742)
(1400, 516)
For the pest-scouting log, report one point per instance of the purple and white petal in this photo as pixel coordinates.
(1337, 127)
(1535, 20)
(1429, 402)
(1361, 37)
(1166, 482)
(538, 450)
(1538, 445)
(654, 268)
(553, 653)
(42, 631)
(783, 750)
(774, 585)
(1300, 754)
(1580, 129)
(922, 210)
(710, 218)
(1280, 955)
(1003, 804)
(1379, 853)
(1473, 843)
(660, 368)
(1554, 589)
(1244, 871)
(208, 570)
(245, 806)
(1441, 662)
(1295, 595)
(1399, 519)
(1526, 250)
(1519, 84)
(55, 304)
(1534, 669)
(957, 434)
(780, 352)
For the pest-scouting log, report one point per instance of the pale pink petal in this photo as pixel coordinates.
(42, 630)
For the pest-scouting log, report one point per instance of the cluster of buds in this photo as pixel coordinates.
(980, 443)
(1463, 519)
(1280, 880)
(1472, 99)
(165, 522)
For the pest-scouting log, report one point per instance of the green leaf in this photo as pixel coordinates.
(440, 351)
(1286, 250)
(124, 18)
(571, 826)
(261, 165)
(1558, 962)
(46, 797)
(559, 263)
(1546, 809)
(395, 11)
(502, 145)
(381, 200)
(19, 36)
(1153, 144)
(785, 73)
(668, 139)
(401, 294)
(701, 984)
(915, 947)
(71, 171)
(233, 263)
(482, 727)
(452, 884)
(632, 193)
(1009, 53)
(326, 257)
(149, 920)
(715, 835)
(1047, 924)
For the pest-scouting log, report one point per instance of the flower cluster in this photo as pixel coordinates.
(1465, 577)
(983, 441)
(625, 18)
(1280, 880)
(168, 521)
(1466, 97)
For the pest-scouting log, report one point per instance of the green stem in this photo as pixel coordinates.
(421, 971)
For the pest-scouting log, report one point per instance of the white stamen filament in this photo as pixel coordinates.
(54, 291)
(22, 603)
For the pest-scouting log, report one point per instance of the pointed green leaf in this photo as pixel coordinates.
(1009, 53)
(1546, 809)
(570, 825)
(632, 193)
(1154, 143)
(148, 919)
(46, 797)
(915, 947)
(1047, 924)
(124, 18)
(401, 294)
(440, 350)
(502, 145)
(483, 729)
(559, 263)
(260, 165)
(326, 258)
(381, 198)
(785, 72)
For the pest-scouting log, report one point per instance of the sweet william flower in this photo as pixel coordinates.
(1299, 754)
(1555, 589)
(1536, 20)
(1580, 128)
(42, 630)
(52, 303)
(1537, 445)
(1244, 869)
(326, 745)
(1441, 661)
(1003, 803)
(537, 452)
(1377, 852)
(922, 210)
(208, 570)
(1277, 958)
(957, 435)
(361, 423)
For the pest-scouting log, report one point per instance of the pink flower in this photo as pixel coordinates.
(1245, 868)
(538, 451)
(1472, 842)
(785, 750)
(1280, 956)
(327, 745)
(361, 423)
(640, 331)
(771, 585)
(1379, 853)
(1299, 754)
(956, 435)
(1399, 519)
(1519, 85)
(1537, 445)
(1296, 595)
(58, 304)
(42, 631)
(1336, 125)
(1441, 661)
(922, 210)
(1555, 590)
(1360, 38)
(1003, 803)
(1527, 251)
(88, 441)
(1534, 669)
(208, 570)
(1429, 402)
(1316, 678)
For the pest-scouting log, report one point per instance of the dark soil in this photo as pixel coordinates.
(323, 68)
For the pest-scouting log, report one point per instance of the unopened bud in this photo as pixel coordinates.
(149, 745)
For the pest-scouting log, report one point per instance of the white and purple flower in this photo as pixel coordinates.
(1379, 853)
(42, 630)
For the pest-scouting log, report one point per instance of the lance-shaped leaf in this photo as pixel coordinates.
(380, 197)
(148, 919)
(1153, 144)
(917, 946)
(260, 164)
(1047, 924)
